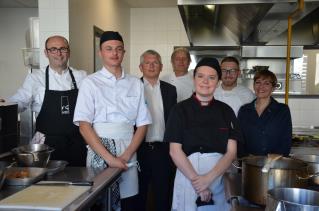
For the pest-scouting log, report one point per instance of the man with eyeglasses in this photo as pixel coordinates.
(109, 105)
(229, 91)
(153, 155)
(52, 94)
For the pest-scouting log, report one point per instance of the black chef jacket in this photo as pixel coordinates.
(204, 129)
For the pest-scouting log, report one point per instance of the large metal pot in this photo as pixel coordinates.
(284, 172)
(313, 165)
(292, 199)
(33, 155)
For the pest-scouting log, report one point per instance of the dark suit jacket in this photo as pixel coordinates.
(169, 97)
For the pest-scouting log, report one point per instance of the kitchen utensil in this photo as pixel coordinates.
(22, 176)
(63, 183)
(313, 165)
(292, 199)
(283, 173)
(260, 68)
(55, 166)
(33, 155)
(270, 160)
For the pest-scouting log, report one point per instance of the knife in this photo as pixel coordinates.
(65, 183)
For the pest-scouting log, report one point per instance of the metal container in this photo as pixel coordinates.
(33, 175)
(55, 166)
(284, 172)
(313, 165)
(33, 155)
(292, 199)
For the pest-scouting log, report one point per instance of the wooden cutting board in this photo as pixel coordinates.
(43, 198)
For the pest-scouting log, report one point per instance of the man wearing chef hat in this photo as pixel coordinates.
(52, 93)
(109, 105)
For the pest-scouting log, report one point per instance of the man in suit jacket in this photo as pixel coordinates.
(153, 154)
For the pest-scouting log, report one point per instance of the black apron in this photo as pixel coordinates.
(55, 120)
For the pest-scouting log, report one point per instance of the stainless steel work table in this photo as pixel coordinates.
(102, 180)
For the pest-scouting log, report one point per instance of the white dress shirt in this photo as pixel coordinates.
(236, 97)
(153, 96)
(184, 85)
(33, 88)
(104, 99)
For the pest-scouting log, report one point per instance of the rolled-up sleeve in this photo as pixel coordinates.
(84, 109)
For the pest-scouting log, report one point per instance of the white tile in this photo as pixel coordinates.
(45, 4)
(160, 37)
(173, 37)
(61, 20)
(61, 4)
(47, 20)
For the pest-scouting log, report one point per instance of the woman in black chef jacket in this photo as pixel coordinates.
(203, 134)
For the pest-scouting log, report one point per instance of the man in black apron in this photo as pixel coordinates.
(52, 94)
(55, 119)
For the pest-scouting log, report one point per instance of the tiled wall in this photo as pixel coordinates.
(54, 19)
(304, 111)
(155, 28)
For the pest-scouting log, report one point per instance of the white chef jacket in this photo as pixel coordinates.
(104, 99)
(153, 96)
(236, 97)
(33, 88)
(184, 84)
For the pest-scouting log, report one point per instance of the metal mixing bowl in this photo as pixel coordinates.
(33, 155)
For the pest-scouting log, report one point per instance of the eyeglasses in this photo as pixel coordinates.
(229, 71)
(55, 50)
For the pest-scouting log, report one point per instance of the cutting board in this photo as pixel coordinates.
(43, 198)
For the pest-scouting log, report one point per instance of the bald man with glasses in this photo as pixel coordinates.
(52, 92)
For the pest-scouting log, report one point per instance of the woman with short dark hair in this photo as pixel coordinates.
(265, 123)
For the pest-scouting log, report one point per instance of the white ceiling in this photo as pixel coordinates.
(131, 3)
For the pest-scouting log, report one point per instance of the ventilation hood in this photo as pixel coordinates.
(249, 22)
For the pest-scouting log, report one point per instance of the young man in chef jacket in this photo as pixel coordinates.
(109, 105)
(153, 154)
(52, 94)
(229, 91)
(232, 93)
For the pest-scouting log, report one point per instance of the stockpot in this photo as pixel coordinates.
(313, 165)
(292, 199)
(284, 172)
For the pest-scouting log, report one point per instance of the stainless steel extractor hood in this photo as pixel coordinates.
(248, 22)
(270, 51)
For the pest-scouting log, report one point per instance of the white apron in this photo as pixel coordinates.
(122, 134)
(184, 196)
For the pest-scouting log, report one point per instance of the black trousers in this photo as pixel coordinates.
(156, 169)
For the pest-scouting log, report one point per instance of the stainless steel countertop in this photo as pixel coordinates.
(102, 179)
